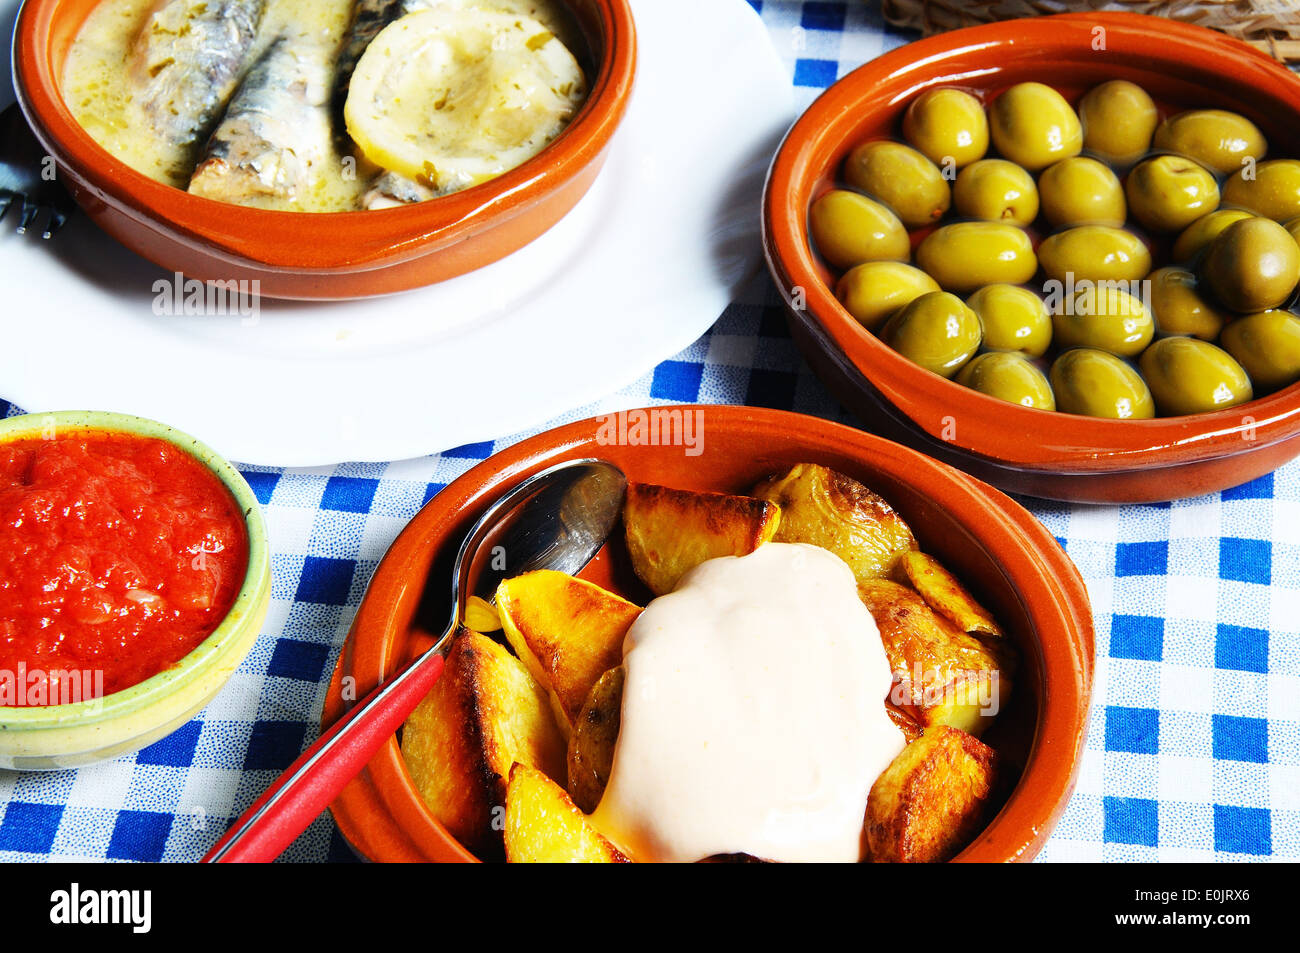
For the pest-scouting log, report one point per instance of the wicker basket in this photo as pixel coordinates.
(1270, 25)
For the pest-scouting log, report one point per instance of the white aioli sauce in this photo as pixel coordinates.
(753, 714)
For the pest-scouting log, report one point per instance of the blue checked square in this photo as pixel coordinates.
(1260, 488)
(262, 484)
(432, 490)
(823, 16)
(273, 745)
(816, 73)
(1241, 649)
(30, 828)
(677, 380)
(295, 659)
(1246, 560)
(1130, 820)
(1243, 830)
(1133, 729)
(771, 389)
(349, 494)
(471, 451)
(1137, 637)
(325, 580)
(140, 835)
(1240, 739)
(339, 851)
(772, 323)
(176, 750)
(1142, 559)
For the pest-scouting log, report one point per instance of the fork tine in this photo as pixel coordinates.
(6, 200)
(56, 221)
(30, 211)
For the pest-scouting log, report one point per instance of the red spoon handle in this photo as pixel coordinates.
(308, 786)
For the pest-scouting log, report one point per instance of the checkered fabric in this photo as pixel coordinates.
(1194, 748)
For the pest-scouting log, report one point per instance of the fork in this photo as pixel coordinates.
(27, 177)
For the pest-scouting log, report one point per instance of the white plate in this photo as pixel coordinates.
(641, 267)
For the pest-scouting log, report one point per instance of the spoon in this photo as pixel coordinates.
(557, 519)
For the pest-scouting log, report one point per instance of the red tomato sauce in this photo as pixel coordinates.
(119, 554)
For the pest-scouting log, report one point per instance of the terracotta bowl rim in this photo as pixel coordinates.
(383, 816)
(1045, 440)
(352, 241)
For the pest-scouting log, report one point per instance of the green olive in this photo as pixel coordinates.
(1252, 266)
(1118, 119)
(968, 255)
(1217, 139)
(936, 331)
(1014, 319)
(1168, 193)
(995, 190)
(1008, 376)
(850, 228)
(874, 290)
(1200, 233)
(1094, 253)
(1081, 191)
(1271, 189)
(1179, 308)
(1267, 345)
(1099, 384)
(902, 178)
(947, 126)
(1293, 227)
(1106, 318)
(1033, 126)
(1187, 376)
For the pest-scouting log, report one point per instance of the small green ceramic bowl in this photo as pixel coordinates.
(68, 736)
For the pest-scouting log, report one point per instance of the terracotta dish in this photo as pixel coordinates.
(1008, 558)
(328, 255)
(1053, 455)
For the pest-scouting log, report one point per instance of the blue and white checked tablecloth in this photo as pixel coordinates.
(1194, 749)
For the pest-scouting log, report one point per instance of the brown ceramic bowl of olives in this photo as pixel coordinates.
(1060, 253)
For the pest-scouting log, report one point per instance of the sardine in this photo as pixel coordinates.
(186, 61)
(392, 190)
(369, 17)
(274, 140)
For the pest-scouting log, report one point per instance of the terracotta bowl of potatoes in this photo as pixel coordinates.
(1094, 174)
(515, 754)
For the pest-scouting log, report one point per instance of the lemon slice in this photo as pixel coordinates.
(454, 97)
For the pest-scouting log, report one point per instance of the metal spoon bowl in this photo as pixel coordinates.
(557, 519)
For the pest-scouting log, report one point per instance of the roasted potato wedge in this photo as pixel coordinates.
(942, 676)
(567, 631)
(544, 827)
(484, 714)
(931, 800)
(908, 725)
(670, 532)
(481, 616)
(591, 746)
(836, 512)
(946, 595)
